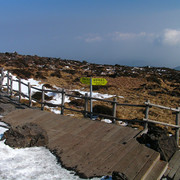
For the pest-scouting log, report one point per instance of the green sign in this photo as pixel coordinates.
(95, 81)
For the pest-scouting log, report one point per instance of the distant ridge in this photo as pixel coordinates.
(177, 68)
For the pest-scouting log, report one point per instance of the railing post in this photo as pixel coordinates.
(42, 100)
(62, 102)
(86, 105)
(91, 101)
(2, 78)
(11, 85)
(8, 82)
(146, 114)
(177, 123)
(19, 85)
(30, 95)
(114, 110)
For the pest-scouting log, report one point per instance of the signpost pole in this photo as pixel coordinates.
(91, 105)
(93, 82)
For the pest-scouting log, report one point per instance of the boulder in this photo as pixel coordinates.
(102, 109)
(38, 96)
(77, 102)
(118, 176)
(27, 135)
(157, 138)
(1, 110)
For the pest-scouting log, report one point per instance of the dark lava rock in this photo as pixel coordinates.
(38, 96)
(102, 109)
(158, 139)
(118, 176)
(27, 135)
(77, 102)
(1, 110)
(76, 93)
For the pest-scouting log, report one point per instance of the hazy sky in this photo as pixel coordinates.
(125, 32)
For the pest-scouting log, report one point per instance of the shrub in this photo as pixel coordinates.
(77, 102)
(154, 79)
(39, 75)
(38, 96)
(102, 109)
(48, 86)
(22, 73)
(56, 74)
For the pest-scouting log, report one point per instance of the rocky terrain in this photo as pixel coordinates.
(136, 84)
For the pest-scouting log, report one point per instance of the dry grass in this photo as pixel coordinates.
(125, 87)
(135, 90)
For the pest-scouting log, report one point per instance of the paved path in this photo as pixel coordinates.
(94, 148)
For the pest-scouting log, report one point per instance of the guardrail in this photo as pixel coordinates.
(147, 105)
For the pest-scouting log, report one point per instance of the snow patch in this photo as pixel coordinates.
(53, 109)
(3, 129)
(57, 97)
(3, 124)
(121, 123)
(97, 95)
(106, 121)
(31, 163)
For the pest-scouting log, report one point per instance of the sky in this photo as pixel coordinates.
(124, 32)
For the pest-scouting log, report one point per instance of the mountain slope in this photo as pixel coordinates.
(135, 84)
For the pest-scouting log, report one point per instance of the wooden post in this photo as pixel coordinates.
(19, 90)
(29, 93)
(146, 114)
(42, 101)
(8, 82)
(2, 78)
(11, 85)
(114, 110)
(86, 105)
(91, 101)
(62, 103)
(177, 123)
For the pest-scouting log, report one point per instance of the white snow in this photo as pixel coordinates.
(106, 121)
(2, 130)
(57, 97)
(72, 115)
(54, 109)
(24, 88)
(35, 163)
(96, 94)
(136, 68)
(3, 124)
(122, 123)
